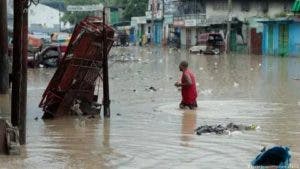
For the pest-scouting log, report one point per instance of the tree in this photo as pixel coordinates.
(135, 8)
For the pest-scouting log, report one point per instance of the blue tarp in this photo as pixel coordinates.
(277, 156)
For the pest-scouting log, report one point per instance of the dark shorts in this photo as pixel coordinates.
(190, 106)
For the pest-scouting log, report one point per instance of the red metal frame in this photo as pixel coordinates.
(80, 67)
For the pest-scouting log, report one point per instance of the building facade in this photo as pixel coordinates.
(166, 19)
(194, 17)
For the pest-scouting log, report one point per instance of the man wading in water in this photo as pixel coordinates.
(188, 85)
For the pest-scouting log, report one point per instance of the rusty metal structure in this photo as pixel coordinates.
(81, 66)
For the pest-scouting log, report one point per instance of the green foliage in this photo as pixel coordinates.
(74, 17)
(131, 8)
(135, 8)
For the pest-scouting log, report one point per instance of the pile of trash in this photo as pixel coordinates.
(124, 57)
(219, 129)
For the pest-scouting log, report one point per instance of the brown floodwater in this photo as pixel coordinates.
(147, 130)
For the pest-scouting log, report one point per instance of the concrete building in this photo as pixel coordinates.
(194, 17)
(152, 24)
(41, 18)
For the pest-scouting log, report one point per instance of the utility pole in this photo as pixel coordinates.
(4, 77)
(17, 62)
(229, 25)
(152, 23)
(106, 100)
(23, 90)
(164, 26)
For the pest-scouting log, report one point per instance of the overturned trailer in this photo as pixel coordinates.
(75, 79)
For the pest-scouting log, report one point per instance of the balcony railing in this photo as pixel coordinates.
(200, 16)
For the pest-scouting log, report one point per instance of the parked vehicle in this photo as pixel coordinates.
(60, 37)
(121, 39)
(50, 56)
(209, 43)
(35, 44)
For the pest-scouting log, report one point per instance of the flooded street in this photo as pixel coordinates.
(148, 130)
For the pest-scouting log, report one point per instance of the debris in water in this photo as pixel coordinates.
(134, 90)
(118, 114)
(235, 84)
(279, 156)
(36, 118)
(216, 64)
(206, 92)
(197, 84)
(252, 69)
(76, 108)
(91, 117)
(152, 89)
(219, 129)
(259, 65)
(201, 68)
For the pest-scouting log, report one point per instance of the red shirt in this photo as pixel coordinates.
(188, 92)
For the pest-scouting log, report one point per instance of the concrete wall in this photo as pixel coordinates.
(183, 36)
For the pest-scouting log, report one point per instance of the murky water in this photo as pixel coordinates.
(151, 132)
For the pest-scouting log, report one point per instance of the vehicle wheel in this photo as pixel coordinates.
(50, 58)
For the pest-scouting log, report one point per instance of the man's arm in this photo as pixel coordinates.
(187, 81)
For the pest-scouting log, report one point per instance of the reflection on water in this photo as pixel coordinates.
(189, 121)
(151, 132)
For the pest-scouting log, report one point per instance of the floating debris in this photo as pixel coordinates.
(219, 129)
(235, 84)
(206, 92)
(118, 114)
(92, 117)
(152, 89)
(36, 118)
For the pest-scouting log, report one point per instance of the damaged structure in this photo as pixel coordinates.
(74, 81)
(9, 138)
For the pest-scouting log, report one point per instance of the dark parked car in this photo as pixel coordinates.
(51, 55)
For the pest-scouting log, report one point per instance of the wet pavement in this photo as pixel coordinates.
(147, 130)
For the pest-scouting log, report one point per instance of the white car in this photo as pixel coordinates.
(198, 49)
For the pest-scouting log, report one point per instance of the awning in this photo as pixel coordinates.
(296, 6)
